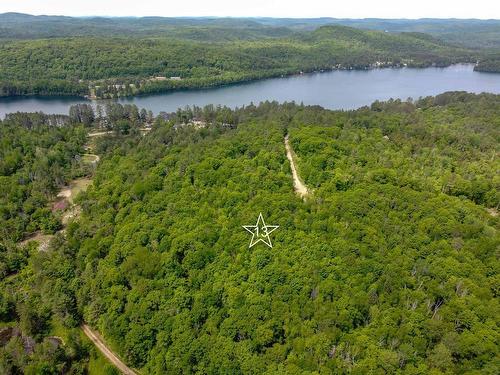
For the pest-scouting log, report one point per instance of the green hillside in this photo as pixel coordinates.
(118, 66)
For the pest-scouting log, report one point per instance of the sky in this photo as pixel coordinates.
(483, 9)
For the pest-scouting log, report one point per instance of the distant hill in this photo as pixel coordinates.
(472, 33)
(24, 26)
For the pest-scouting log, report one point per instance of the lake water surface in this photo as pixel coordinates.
(334, 90)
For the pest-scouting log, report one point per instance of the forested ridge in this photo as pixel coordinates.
(218, 51)
(389, 266)
(107, 66)
(471, 33)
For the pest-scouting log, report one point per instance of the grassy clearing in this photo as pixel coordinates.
(78, 186)
(98, 365)
(75, 187)
(90, 158)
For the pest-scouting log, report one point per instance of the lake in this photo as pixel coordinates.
(341, 89)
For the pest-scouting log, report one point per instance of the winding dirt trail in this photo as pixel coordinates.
(298, 185)
(108, 353)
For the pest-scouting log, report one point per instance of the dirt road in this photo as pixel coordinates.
(97, 134)
(298, 186)
(108, 353)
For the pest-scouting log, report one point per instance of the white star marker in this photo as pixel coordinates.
(260, 232)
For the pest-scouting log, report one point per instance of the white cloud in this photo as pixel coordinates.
(269, 8)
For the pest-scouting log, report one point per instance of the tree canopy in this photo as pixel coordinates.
(389, 266)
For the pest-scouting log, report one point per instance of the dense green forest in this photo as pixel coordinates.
(389, 266)
(116, 66)
(36, 157)
(489, 64)
(39, 154)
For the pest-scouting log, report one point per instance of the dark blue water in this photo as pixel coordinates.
(334, 90)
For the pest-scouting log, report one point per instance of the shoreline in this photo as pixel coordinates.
(341, 90)
(90, 98)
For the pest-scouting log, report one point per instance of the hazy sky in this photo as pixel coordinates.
(272, 8)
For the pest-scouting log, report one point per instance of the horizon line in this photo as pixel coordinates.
(257, 17)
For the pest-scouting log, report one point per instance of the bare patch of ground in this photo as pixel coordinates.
(70, 214)
(492, 211)
(42, 239)
(74, 188)
(97, 134)
(67, 193)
